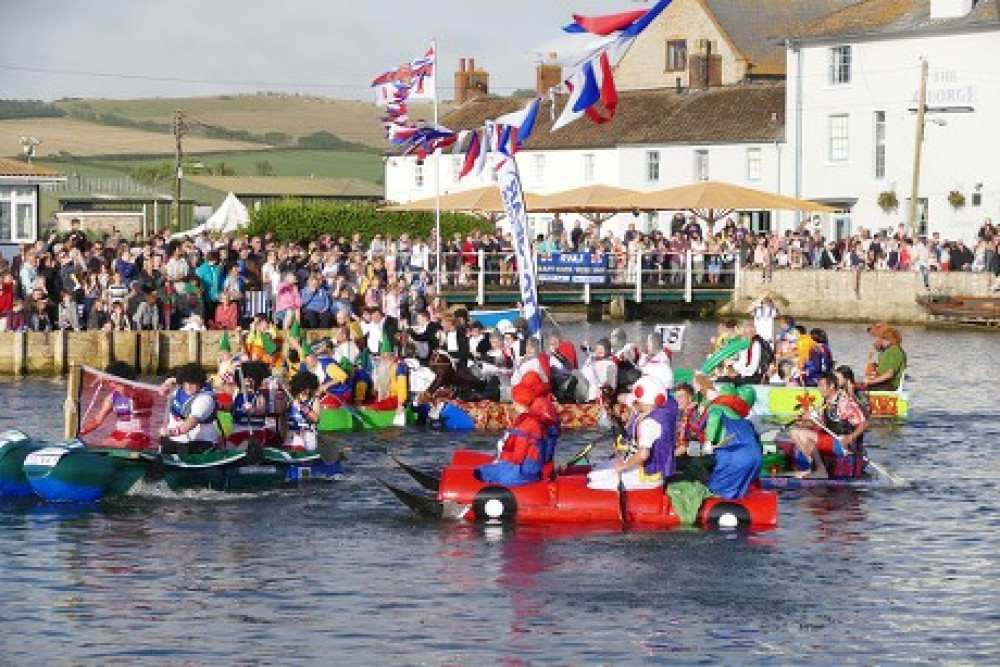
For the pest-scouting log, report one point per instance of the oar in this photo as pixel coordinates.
(622, 501)
(356, 414)
(421, 504)
(880, 469)
(579, 456)
(429, 482)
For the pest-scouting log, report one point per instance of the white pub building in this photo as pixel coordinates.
(815, 100)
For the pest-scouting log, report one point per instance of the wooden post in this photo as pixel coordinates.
(71, 408)
(194, 347)
(20, 352)
(59, 351)
(150, 357)
(107, 354)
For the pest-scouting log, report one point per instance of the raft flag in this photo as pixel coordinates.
(513, 201)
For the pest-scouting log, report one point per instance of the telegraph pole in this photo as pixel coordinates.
(918, 148)
(178, 170)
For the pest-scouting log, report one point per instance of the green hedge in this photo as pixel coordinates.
(293, 221)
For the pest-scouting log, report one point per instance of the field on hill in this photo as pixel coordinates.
(65, 135)
(291, 163)
(295, 116)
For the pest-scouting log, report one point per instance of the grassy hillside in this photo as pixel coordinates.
(291, 115)
(293, 163)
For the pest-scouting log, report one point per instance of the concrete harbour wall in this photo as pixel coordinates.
(152, 352)
(853, 295)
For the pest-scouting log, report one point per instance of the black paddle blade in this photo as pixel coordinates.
(419, 503)
(622, 503)
(428, 481)
(329, 451)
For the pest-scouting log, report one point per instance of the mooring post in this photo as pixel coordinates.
(20, 352)
(71, 408)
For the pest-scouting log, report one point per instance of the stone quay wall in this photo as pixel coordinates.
(151, 352)
(855, 295)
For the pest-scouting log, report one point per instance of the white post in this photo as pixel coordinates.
(737, 274)
(638, 275)
(586, 293)
(481, 292)
(688, 277)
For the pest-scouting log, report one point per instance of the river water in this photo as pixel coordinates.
(341, 573)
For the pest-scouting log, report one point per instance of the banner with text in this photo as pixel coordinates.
(513, 203)
(575, 268)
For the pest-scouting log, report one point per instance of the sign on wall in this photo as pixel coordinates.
(575, 268)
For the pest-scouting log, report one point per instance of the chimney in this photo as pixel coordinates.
(548, 75)
(470, 83)
(704, 66)
(950, 9)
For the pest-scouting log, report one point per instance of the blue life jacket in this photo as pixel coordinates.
(297, 420)
(242, 415)
(180, 406)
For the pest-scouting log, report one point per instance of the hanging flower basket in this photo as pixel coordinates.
(887, 201)
(956, 199)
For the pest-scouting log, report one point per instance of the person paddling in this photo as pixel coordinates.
(521, 456)
(191, 425)
(835, 433)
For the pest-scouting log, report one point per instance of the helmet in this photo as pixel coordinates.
(650, 391)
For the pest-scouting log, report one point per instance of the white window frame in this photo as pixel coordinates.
(652, 166)
(841, 65)
(701, 165)
(589, 167)
(538, 164)
(676, 58)
(755, 159)
(12, 197)
(838, 137)
(879, 148)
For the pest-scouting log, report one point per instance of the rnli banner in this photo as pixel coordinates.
(513, 202)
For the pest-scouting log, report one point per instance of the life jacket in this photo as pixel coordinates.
(242, 415)
(180, 406)
(538, 461)
(297, 419)
(833, 420)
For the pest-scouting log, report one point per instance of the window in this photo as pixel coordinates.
(588, 167)
(539, 163)
(701, 165)
(18, 215)
(840, 65)
(456, 166)
(839, 140)
(652, 166)
(753, 164)
(677, 55)
(418, 174)
(879, 145)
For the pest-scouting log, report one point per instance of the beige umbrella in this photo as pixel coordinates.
(485, 200)
(591, 202)
(712, 200)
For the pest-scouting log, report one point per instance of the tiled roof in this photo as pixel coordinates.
(889, 17)
(734, 114)
(17, 168)
(348, 188)
(755, 25)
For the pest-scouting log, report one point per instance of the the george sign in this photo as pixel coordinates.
(576, 268)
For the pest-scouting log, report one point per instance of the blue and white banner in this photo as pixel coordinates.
(513, 203)
(575, 268)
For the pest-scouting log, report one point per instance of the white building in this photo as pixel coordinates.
(19, 186)
(853, 87)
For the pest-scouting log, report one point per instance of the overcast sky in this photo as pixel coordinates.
(51, 49)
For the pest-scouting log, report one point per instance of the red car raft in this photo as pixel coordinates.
(566, 498)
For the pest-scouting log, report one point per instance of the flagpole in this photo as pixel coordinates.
(437, 170)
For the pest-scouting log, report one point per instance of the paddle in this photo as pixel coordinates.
(429, 482)
(881, 470)
(622, 501)
(357, 415)
(579, 456)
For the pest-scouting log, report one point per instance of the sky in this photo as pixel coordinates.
(53, 49)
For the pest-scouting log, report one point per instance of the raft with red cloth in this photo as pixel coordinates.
(493, 416)
(568, 499)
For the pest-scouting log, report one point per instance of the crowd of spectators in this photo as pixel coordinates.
(72, 281)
